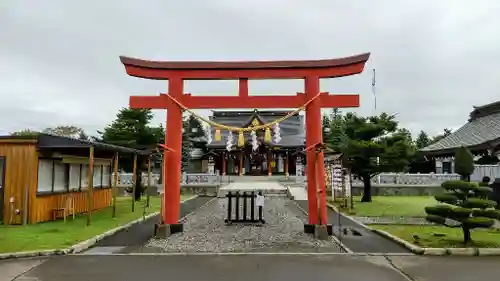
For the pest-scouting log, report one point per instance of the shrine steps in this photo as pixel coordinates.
(232, 178)
(268, 189)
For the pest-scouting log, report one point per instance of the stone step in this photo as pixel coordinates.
(253, 178)
(278, 192)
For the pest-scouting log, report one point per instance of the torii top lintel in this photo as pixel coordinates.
(207, 70)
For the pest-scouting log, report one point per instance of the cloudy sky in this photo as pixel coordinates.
(59, 59)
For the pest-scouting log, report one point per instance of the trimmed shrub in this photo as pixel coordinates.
(466, 204)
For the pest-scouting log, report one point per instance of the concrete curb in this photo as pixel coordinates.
(333, 207)
(81, 246)
(289, 192)
(426, 251)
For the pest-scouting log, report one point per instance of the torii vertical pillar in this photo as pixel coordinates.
(175, 100)
(172, 171)
(314, 136)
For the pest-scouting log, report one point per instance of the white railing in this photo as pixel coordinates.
(493, 171)
(126, 178)
(193, 178)
(200, 178)
(400, 179)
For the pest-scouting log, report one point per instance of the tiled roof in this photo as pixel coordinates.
(478, 133)
(291, 130)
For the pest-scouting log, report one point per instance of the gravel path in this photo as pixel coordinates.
(205, 231)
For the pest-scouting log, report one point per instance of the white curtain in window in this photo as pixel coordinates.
(97, 176)
(44, 175)
(85, 176)
(59, 176)
(74, 176)
(106, 176)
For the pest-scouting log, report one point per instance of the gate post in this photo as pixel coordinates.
(173, 140)
(313, 136)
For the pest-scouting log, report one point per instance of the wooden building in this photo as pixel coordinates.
(40, 174)
(270, 158)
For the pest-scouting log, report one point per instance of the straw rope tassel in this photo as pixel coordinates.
(241, 139)
(217, 134)
(267, 136)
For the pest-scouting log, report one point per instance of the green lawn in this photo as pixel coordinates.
(404, 206)
(60, 235)
(442, 237)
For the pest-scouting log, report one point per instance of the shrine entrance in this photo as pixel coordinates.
(311, 101)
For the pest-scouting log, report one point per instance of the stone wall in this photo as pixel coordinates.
(398, 190)
(209, 190)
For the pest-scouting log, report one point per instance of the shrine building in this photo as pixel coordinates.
(259, 155)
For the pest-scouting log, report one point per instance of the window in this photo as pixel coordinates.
(106, 176)
(74, 176)
(60, 176)
(44, 176)
(84, 177)
(56, 176)
(97, 176)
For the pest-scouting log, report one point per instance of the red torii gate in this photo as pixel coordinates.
(176, 72)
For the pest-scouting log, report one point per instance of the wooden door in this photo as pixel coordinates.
(2, 187)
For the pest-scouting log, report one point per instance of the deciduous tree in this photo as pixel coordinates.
(25, 133)
(70, 131)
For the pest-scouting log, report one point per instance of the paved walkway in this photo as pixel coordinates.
(367, 242)
(12, 269)
(298, 192)
(260, 267)
(140, 233)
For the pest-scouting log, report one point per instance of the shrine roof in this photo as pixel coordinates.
(237, 65)
(291, 130)
(481, 132)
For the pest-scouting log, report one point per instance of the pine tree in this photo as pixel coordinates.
(338, 138)
(131, 129)
(466, 206)
(422, 140)
(187, 145)
(464, 163)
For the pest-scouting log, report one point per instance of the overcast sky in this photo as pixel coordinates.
(59, 59)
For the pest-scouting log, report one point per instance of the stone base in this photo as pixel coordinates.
(165, 230)
(321, 232)
(312, 228)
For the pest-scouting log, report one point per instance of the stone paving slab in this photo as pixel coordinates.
(318, 267)
(13, 269)
(448, 268)
(215, 268)
(367, 242)
(206, 231)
